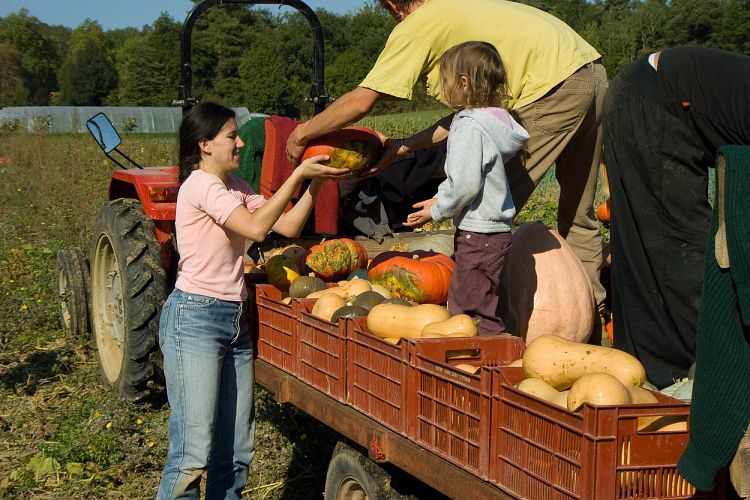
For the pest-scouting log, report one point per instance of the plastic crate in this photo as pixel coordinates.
(541, 450)
(449, 408)
(376, 376)
(321, 351)
(277, 329)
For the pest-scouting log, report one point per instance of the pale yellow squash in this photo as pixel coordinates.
(394, 320)
(560, 362)
(545, 287)
(597, 389)
(460, 325)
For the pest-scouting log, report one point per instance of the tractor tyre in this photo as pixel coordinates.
(73, 290)
(128, 289)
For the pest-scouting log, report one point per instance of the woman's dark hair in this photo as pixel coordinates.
(202, 122)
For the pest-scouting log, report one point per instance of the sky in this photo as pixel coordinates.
(113, 14)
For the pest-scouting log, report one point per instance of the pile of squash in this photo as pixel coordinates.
(390, 318)
(570, 374)
(401, 293)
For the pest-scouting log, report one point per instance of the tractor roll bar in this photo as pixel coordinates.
(186, 97)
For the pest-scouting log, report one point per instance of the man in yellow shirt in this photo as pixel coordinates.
(556, 86)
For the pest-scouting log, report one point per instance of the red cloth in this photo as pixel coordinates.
(276, 169)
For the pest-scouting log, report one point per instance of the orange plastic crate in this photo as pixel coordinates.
(449, 408)
(321, 351)
(276, 328)
(376, 375)
(541, 450)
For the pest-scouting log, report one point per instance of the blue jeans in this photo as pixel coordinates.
(208, 364)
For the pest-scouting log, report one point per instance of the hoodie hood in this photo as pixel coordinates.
(509, 136)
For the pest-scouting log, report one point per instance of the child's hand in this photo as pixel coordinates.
(315, 168)
(421, 217)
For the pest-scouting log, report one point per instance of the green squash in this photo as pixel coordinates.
(348, 312)
(305, 285)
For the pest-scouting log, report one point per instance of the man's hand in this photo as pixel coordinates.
(421, 217)
(295, 147)
(392, 148)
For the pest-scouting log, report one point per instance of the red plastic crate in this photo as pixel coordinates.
(541, 450)
(376, 375)
(321, 351)
(448, 408)
(276, 328)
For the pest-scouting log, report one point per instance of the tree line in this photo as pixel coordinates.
(262, 58)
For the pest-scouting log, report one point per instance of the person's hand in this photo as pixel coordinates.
(316, 168)
(295, 147)
(391, 149)
(422, 216)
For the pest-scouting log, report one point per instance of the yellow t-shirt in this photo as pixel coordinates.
(538, 50)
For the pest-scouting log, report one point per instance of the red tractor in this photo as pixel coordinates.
(118, 296)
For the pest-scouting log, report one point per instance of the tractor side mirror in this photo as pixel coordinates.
(103, 132)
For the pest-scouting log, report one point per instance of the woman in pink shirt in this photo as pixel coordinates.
(203, 335)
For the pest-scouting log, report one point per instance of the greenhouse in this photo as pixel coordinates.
(128, 119)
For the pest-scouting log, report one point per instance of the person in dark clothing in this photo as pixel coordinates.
(665, 117)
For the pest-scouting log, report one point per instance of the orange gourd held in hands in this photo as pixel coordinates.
(351, 148)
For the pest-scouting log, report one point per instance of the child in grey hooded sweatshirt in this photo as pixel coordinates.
(482, 138)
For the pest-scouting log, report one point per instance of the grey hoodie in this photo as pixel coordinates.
(475, 193)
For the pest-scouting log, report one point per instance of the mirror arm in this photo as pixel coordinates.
(127, 158)
(116, 162)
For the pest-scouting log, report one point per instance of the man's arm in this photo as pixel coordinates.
(347, 109)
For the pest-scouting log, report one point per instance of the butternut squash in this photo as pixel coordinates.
(562, 399)
(381, 290)
(326, 305)
(516, 362)
(539, 388)
(560, 362)
(336, 290)
(467, 368)
(641, 396)
(394, 320)
(664, 423)
(344, 289)
(597, 389)
(355, 286)
(460, 325)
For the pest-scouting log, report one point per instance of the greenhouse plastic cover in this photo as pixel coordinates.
(66, 119)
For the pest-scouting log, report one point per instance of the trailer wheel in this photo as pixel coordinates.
(353, 476)
(73, 290)
(127, 293)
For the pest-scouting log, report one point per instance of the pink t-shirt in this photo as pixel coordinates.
(211, 255)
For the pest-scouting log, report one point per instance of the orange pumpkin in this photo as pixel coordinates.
(546, 289)
(423, 277)
(333, 260)
(351, 148)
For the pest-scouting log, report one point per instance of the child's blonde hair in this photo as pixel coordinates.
(482, 66)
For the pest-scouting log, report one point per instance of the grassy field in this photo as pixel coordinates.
(62, 432)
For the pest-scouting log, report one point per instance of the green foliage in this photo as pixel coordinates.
(40, 56)
(88, 74)
(262, 59)
(148, 65)
(12, 86)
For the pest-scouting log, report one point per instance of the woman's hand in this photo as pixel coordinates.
(315, 168)
(420, 217)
